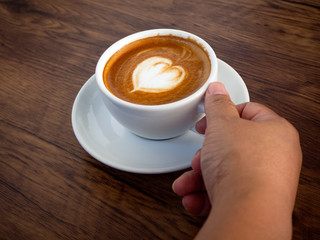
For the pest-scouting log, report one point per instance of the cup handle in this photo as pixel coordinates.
(201, 107)
(200, 111)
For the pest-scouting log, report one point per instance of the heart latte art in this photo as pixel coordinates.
(157, 74)
(157, 70)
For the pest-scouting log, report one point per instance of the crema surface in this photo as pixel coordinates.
(157, 70)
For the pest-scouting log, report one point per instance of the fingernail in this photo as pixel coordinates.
(217, 88)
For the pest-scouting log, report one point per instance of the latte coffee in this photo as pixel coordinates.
(157, 70)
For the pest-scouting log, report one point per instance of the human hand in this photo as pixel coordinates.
(248, 150)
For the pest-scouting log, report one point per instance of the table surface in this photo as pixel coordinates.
(51, 188)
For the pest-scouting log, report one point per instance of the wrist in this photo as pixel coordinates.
(252, 213)
(255, 187)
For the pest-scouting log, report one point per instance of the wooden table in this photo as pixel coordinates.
(51, 188)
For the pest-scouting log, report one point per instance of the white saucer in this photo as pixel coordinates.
(110, 143)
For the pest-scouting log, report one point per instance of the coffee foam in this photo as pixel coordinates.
(157, 74)
(157, 70)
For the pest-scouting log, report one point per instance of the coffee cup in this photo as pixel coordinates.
(153, 82)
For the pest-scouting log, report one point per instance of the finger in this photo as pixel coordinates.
(195, 163)
(218, 103)
(201, 125)
(256, 112)
(187, 183)
(197, 203)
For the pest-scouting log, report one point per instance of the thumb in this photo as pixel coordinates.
(218, 103)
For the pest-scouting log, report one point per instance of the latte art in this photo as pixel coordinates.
(157, 74)
(157, 70)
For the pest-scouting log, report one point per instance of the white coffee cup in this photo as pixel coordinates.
(156, 121)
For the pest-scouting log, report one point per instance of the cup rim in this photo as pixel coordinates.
(145, 34)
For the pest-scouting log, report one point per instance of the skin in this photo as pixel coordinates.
(245, 176)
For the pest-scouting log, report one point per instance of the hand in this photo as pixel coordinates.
(249, 153)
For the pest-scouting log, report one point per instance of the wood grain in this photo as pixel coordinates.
(50, 188)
